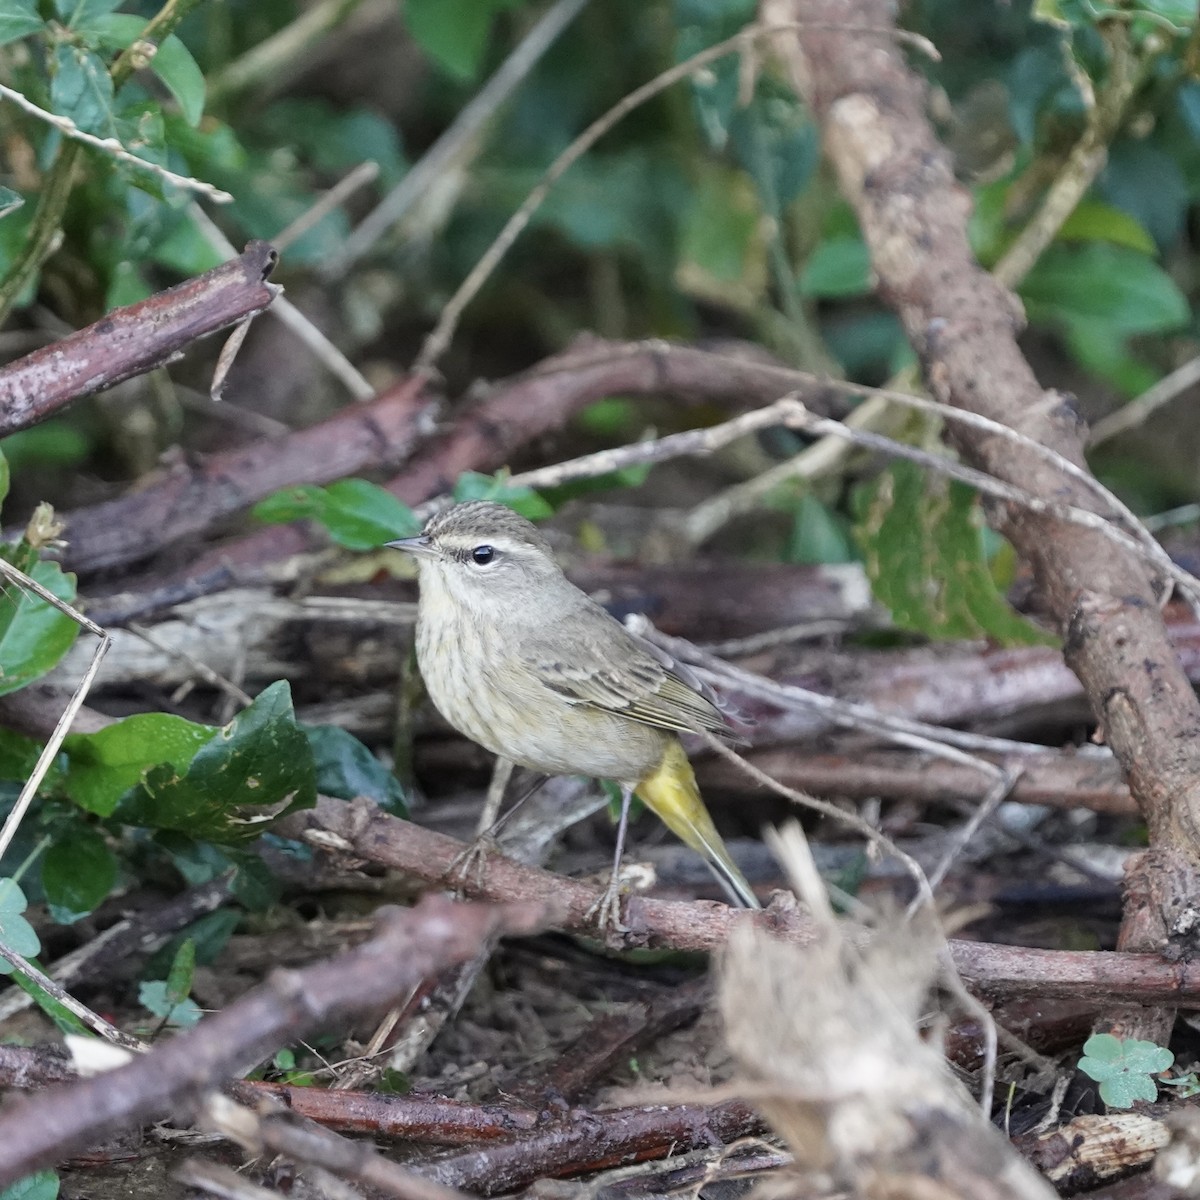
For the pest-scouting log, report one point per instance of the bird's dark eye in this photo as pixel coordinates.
(483, 555)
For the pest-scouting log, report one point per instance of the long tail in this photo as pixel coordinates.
(670, 792)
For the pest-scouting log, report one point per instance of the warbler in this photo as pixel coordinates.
(520, 660)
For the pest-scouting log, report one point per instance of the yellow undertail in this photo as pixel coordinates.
(670, 792)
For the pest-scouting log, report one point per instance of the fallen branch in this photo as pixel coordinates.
(192, 500)
(362, 830)
(131, 341)
(409, 944)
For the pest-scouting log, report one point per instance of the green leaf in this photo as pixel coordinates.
(347, 769)
(15, 931)
(358, 515)
(34, 635)
(923, 553)
(1095, 221)
(839, 266)
(82, 14)
(104, 766)
(183, 968)
(818, 536)
(78, 872)
(473, 486)
(42, 1186)
(174, 65)
(18, 19)
(82, 90)
(1096, 280)
(1124, 1067)
(64, 1019)
(172, 61)
(256, 769)
(453, 33)
(719, 243)
(154, 996)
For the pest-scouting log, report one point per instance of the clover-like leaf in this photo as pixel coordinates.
(1124, 1068)
(15, 932)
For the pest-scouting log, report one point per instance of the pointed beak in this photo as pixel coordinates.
(421, 546)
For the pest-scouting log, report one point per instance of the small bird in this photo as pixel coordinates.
(520, 660)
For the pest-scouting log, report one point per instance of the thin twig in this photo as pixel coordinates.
(364, 173)
(113, 148)
(50, 750)
(1138, 411)
(202, 669)
(96, 1023)
(454, 143)
(437, 341)
(329, 356)
(851, 714)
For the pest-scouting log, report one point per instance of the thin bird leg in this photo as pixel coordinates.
(607, 910)
(501, 774)
(470, 861)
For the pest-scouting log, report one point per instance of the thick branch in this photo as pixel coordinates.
(192, 500)
(963, 324)
(131, 341)
(362, 830)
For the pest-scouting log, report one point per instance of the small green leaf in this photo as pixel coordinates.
(923, 553)
(453, 33)
(357, 514)
(18, 19)
(103, 766)
(1097, 280)
(78, 872)
(838, 267)
(153, 995)
(15, 932)
(818, 536)
(82, 14)
(347, 769)
(42, 1186)
(1124, 1067)
(183, 968)
(256, 769)
(34, 635)
(473, 486)
(82, 90)
(1095, 221)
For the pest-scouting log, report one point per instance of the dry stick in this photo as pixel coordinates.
(408, 944)
(326, 353)
(133, 340)
(1086, 160)
(993, 486)
(141, 934)
(364, 173)
(1149, 402)
(360, 829)
(50, 750)
(113, 148)
(437, 341)
(706, 517)
(850, 714)
(452, 144)
(95, 1022)
(205, 672)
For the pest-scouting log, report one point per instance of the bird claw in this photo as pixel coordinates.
(467, 866)
(606, 912)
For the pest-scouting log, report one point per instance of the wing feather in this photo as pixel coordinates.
(628, 677)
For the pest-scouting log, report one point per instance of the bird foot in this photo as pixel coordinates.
(467, 867)
(606, 912)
